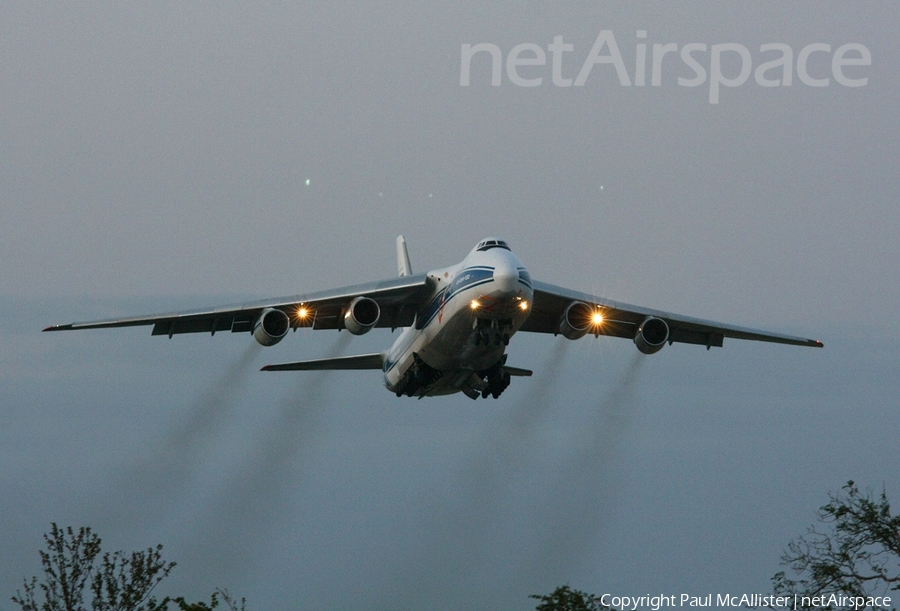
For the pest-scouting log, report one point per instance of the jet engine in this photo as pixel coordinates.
(361, 315)
(576, 320)
(271, 327)
(651, 335)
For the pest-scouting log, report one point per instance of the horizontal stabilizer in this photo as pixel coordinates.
(515, 371)
(362, 361)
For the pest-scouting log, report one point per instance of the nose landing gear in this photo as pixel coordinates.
(491, 332)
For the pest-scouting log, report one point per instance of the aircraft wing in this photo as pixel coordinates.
(622, 320)
(398, 299)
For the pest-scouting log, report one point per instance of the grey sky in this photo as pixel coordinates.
(156, 156)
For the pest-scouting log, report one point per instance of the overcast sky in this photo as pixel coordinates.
(161, 156)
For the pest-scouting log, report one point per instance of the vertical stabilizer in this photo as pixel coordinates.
(403, 267)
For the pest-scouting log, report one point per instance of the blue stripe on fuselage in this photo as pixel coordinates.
(469, 276)
(465, 279)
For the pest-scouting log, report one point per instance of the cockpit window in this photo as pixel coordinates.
(489, 244)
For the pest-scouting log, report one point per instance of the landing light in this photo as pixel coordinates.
(302, 313)
(474, 304)
(523, 305)
(597, 318)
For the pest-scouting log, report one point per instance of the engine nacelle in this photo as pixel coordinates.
(271, 327)
(576, 320)
(651, 335)
(361, 315)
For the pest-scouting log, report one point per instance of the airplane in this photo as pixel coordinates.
(456, 322)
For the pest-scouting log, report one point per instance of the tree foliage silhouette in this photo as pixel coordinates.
(74, 567)
(565, 598)
(219, 596)
(118, 582)
(853, 550)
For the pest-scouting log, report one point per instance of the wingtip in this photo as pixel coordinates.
(56, 328)
(265, 368)
(817, 344)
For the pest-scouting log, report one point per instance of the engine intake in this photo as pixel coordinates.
(651, 335)
(361, 315)
(576, 320)
(271, 327)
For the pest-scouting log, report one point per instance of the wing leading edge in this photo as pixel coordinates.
(398, 299)
(622, 320)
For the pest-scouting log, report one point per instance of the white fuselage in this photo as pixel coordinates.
(475, 308)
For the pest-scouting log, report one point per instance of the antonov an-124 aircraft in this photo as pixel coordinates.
(456, 322)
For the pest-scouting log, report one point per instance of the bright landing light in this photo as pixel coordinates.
(523, 305)
(302, 313)
(597, 318)
(474, 304)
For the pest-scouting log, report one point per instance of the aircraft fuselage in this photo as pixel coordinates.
(459, 338)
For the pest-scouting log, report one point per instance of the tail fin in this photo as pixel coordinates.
(403, 266)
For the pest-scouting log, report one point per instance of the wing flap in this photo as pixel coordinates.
(362, 361)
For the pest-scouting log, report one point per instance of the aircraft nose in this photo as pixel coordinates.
(506, 277)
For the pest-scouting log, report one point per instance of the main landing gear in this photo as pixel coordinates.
(492, 382)
(488, 382)
(497, 382)
(417, 378)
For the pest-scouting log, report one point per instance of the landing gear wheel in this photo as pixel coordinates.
(500, 384)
